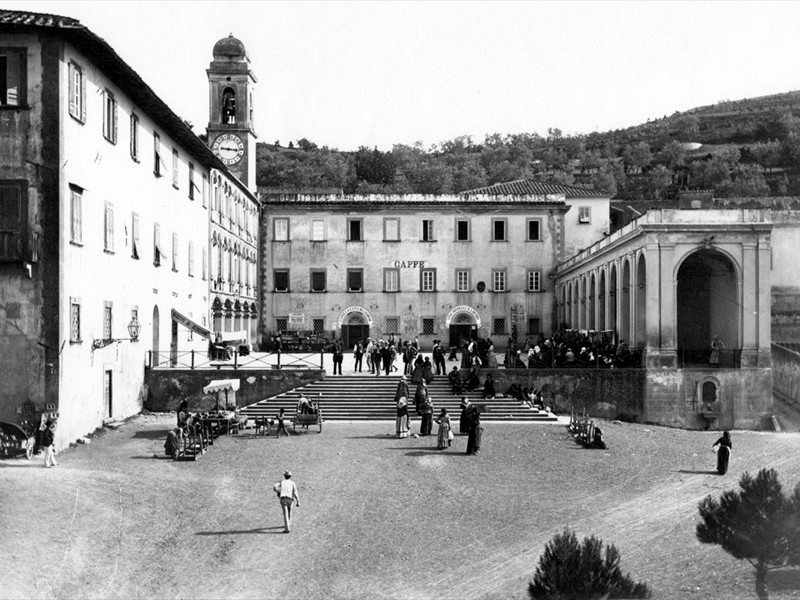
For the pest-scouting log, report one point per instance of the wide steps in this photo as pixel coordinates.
(371, 398)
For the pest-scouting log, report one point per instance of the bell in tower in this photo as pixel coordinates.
(230, 126)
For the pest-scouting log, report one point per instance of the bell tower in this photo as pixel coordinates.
(230, 119)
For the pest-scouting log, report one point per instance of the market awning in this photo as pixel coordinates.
(221, 385)
(191, 325)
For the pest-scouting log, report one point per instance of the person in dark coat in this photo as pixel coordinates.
(475, 432)
(455, 381)
(420, 396)
(438, 358)
(463, 423)
(402, 389)
(724, 452)
(427, 370)
(488, 387)
(338, 358)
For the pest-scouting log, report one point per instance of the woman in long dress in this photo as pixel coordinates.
(491, 358)
(724, 452)
(463, 423)
(403, 425)
(402, 389)
(716, 347)
(443, 439)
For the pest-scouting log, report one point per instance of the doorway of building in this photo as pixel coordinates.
(355, 330)
(108, 393)
(461, 333)
(156, 360)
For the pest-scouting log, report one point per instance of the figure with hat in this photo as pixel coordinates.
(287, 494)
(48, 443)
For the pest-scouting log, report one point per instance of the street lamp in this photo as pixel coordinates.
(133, 331)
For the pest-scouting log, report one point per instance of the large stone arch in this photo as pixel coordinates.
(707, 304)
(625, 303)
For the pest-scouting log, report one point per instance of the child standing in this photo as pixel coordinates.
(281, 425)
(48, 443)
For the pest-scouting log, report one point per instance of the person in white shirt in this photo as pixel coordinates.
(287, 494)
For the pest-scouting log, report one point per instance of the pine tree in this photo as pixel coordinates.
(571, 571)
(758, 524)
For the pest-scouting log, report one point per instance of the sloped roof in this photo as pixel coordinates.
(376, 201)
(526, 187)
(122, 74)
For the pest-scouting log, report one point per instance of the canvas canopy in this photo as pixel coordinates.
(221, 385)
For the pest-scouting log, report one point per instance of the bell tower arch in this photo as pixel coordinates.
(230, 109)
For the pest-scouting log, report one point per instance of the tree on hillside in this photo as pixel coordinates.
(637, 156)
(758, 524)
(672, 155)
(568, 570)
(374, 166)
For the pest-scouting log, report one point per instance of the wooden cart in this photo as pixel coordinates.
(306, 419)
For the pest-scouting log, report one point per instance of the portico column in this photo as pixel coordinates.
(764, 301)
(749, 292)
(665, 319)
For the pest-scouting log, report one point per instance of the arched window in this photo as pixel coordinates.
(229, 106)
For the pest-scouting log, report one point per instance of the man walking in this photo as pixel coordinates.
(287, 494)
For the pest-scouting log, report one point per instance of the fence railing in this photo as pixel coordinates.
(198, 359)
(728, 359)
(786, 370)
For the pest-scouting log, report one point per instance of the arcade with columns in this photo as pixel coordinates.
(668, 284)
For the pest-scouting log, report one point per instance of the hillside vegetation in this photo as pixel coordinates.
(740, 148)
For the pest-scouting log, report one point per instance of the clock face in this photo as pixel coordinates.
(229, 147)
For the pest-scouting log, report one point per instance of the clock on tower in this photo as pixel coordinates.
(230, 125)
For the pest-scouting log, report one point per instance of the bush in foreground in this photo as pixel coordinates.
(571, 571)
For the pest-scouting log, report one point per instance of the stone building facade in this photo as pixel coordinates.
(445, 267)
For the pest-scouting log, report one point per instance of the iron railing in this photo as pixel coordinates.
(198, 359)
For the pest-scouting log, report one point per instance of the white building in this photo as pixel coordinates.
(106, 230)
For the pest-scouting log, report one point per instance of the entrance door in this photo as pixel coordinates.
(460, 333)
(352, 334)
(108, 394)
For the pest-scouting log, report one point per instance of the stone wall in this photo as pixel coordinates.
(168, 387)
(608, 393)
(668, 397)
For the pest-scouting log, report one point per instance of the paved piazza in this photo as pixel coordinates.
(378, 516)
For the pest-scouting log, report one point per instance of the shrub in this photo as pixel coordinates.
(568, 570)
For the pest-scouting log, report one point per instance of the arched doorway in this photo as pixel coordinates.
(155, 334)
(462, 329)
(640, 331)
(612, 300)
(356, 329)
(601, 301)
(625, 304)
(216, 315)
(592, 306)
(707, 305)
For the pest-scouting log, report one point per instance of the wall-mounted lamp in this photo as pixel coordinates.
(133, 331)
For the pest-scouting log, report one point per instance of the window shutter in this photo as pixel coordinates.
(73, 109)
(82, 99)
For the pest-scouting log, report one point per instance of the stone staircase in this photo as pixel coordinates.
(371, 398)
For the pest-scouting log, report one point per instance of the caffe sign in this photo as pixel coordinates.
(409, 264)
(463, 309)
(354, 309)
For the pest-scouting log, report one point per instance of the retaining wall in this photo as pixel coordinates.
(168, 387)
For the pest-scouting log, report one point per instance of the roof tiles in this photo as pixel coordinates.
(527, 187)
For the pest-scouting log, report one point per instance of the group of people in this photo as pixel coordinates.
(469, 423)
(571, 348)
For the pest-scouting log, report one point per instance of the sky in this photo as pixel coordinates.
(350, 74)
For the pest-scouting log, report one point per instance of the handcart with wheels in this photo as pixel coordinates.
(17, 440)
